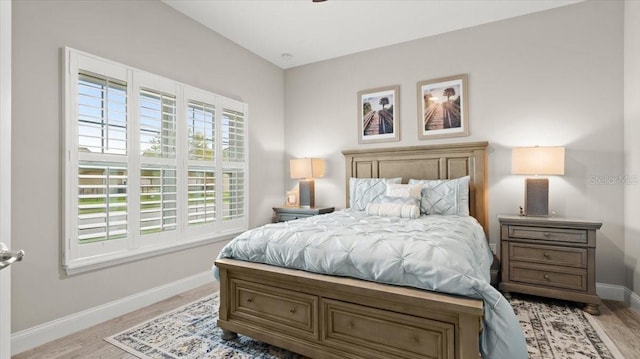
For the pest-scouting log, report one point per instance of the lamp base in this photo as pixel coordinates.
(536, 197)
(307, 193)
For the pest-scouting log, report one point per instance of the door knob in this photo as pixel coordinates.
(7, 257)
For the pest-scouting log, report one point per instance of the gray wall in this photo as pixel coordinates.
(632, 143)
(151, 36)
(550, 78)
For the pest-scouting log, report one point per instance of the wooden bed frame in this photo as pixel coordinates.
(321, 316)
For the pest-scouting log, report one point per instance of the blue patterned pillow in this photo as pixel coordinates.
(363, 191)
(444, 197)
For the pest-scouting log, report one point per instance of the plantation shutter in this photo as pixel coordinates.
(234, 167)
(157, 124)
(201, 176)
(158, 166)
(158, 193)
(202, 131)
(202, 195)
(102, 115)
(102, 200)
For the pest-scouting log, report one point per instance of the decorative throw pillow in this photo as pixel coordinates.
(404, 190)
(400, 200)
(401, 210)
(365, 190)
(444, 197)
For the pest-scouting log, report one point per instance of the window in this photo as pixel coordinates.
(201, 163)
(158, 204)
(102, 202)
(102, 114)
(202, 196)
(233, 145)
(152, 164)
(158, 159)
(157, 124)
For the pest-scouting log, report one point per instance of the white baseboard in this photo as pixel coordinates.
(611, 291)
(46, 332)
(619, 293)
(633, 300)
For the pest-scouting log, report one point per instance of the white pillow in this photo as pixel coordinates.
(400, 200)
(444, 197)
(362, 191)
(393, 210)
(404, 190)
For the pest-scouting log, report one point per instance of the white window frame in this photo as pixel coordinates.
(89, 256)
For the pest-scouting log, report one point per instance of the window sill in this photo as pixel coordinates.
(114, 259)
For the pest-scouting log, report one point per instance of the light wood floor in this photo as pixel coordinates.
(620, 322)
(89, 343)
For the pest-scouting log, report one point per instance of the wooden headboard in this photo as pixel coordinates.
(446, 161)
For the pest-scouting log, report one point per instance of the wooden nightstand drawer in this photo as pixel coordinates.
(283, 217)
(285, 310)
(554, 255)
(549, 276)
(549, 234)
(363, 329)
(283, 214)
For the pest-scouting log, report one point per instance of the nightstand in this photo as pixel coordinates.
(283, 214)
(550, 257)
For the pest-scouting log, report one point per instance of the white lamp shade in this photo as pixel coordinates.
(306, 168)
(537, 161)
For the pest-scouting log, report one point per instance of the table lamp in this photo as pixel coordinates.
(306, 169)
(537, 161)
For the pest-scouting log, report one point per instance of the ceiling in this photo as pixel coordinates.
(291, 33)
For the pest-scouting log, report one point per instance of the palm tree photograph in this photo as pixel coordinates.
(443, 107)
(378, 115)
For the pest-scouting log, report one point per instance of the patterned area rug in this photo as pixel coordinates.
(558, 329)
(554, 330)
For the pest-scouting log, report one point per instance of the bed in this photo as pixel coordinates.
(340, 316)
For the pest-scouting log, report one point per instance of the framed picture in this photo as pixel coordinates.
(378, 119)
(291, 199)
(443, 107)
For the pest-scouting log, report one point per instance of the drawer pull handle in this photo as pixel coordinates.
(292, 310)
(546, 276)
(250, 299)
(546, 254)
(546, 234)
(349, 325)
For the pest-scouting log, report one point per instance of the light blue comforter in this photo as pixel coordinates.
(440, 253)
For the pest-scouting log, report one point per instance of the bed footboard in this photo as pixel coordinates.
(322, 316)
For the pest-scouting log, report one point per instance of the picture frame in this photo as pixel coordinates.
(378, 115)
(292, 199)
(443, 107)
